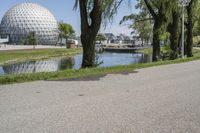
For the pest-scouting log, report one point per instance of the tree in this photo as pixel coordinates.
(173, 29)
(157, 9)
(66, 30)
(32, 40)
(189, 26)
(196, 23)
(144, 29)
(140, 24)
(100, 37)
(92, 13)
(196, 19)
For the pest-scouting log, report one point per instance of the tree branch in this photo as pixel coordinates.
(152, 12)
(96, 16)
(83, 14)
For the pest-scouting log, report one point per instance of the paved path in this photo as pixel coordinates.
(4, 47)
(162, 99)
(115, 49)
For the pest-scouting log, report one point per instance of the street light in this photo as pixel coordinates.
(183, 4)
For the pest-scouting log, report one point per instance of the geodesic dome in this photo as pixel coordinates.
(22, 19)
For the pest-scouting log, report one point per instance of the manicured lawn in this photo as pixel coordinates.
(88, 72)
(145, 51)
(21, 55)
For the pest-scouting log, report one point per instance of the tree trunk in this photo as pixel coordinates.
(156, 41)
(88, 43)
(174, 35)
(189, 26)
(142, 41)
(159, 18)
(89, 30)
(147, 41)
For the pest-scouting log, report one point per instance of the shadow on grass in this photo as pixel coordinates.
(95, 77)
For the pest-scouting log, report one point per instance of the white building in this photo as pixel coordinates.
(22, 19)
(120, 39)
(4, 40)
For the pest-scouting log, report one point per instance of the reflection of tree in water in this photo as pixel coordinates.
(141, 58)
(144, 58)
(67, 63)
(56, 64)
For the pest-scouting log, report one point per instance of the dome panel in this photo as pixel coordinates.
(24, 18)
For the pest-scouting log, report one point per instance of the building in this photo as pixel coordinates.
(120, 39)
(4, 40)
(110, 38)
(125, 39)
(26, 18)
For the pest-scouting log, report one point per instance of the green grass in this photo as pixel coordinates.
(22, 55)
(145, 51)
(9, 79)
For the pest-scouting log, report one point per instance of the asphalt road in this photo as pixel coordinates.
(163, 99)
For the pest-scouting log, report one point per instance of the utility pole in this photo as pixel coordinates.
(183, 35)
(183, 4)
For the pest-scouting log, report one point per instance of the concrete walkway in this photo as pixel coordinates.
(163, 99)
(4, 47)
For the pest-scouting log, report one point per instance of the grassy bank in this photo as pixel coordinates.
(145, 51)
(22, 55)
(88, 72)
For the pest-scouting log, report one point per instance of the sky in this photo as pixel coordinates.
(63, 11)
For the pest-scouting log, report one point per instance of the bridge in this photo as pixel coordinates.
(127, 49)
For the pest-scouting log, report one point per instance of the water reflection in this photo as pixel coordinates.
(56, 64)
(38, 66)
(114, 59)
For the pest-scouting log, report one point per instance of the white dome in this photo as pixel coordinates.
(24, 18)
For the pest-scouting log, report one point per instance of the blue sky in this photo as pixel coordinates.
(63, 10)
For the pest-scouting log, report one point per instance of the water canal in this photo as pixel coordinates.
(108, 59)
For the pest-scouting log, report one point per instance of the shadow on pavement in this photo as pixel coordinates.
(96, 77)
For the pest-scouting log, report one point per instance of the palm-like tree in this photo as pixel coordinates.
(66, 30)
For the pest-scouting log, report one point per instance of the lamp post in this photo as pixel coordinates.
(183, 4)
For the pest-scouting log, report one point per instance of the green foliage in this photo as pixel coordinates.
(66, 30)
(108, 8)
(196, 18)
(165, 15)
(32, 40)
(166, 52)
(196, 41)
(100, 37)
(140, 23)
(164, 36)
(22, 42)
